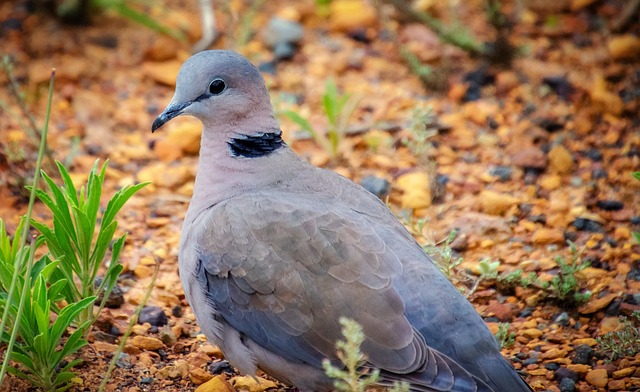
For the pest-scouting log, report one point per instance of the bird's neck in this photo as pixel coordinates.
(235, 159)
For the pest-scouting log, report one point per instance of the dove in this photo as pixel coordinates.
(275, 251)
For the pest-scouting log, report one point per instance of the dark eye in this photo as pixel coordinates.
(217, 86)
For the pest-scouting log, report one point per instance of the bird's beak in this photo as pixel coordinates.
(173, 110)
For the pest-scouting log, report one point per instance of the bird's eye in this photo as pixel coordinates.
(217, 86)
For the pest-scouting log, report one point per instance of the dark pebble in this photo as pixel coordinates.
(635, 220)
(376, 185)
(548, 124)
(613, 309)
(442, 179)
(146, 380)
(492, 319)
(221, 367)
(552, 366)
(359, 34)
(115, 299)
(567, 385)
(526, 312)
(473, 93)
(538, 219)
(560, 85)
(610, 205)
(599, 173)
(153, 315)
(11, 24)
(268, 67)
(593, 154)
(502, 172)
(588, 225)
(177, 311)
(561, 319)
(583, 354)
(530, 361)
(563, 373)
(613, 243)
(284, 51)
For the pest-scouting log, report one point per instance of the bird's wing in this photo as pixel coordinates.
(282, 269)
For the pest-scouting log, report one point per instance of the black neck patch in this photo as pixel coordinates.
(256, 145)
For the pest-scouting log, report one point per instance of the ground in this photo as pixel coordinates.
(524, 156)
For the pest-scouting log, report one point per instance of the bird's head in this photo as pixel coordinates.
(216, 86)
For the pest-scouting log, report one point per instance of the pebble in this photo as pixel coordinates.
(532, 333)
(153, 315)
(376, 185)
(116, 297)
(530, 158)
(347, 15)
(253, 384)
(610, 205)
(563, 373)
(583, 354)
(597, 377)
(281, 31)
(416, 190)
(624, 46)
(216, 384)
(596, 304)
(503, 173)
(496, 203)
(622, 373)
(223, 366)
(616, 385)
(560, 159)
(589, 225)
(554, 353)
(547, 236)
(146, 343)
(199, 376)
(567, 385)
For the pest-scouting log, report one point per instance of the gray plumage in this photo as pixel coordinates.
(274, 251)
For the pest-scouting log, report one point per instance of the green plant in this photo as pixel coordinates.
(421, 130)
(443, 255)
(338, 109)
(565, 286)
(73, 239)
(38, 342)
(488, 268)
(625, 342)
(355, 376)
(505, 338)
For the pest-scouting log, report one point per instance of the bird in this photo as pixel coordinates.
(275, 251)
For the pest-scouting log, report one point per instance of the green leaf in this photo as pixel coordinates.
(637, 175)
(300, 121)
(68, 183)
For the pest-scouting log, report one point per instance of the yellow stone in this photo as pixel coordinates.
(560, 160)
(495, 203)
(416, 190)
(532, 333)
(597, 377)
(146, 343)
(216, 384)
(624, 46)
(253, 384)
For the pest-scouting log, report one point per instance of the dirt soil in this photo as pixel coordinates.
(523, 158)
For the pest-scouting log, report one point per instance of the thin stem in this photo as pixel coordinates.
(23, 239)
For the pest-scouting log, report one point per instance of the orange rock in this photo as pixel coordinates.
(560, 160)
(616, 385)
(532, 333)
(198, 375)
(579, 368)
(547, 236)
(609, 324)
(597, 377)
(622, 373)
(495, 203)
(596, 304)
(146, 343)
(216, 384)
(624, 46)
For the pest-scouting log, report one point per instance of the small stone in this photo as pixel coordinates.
(554, 353)
(616, 385)
(116, 297)
(376, 185)
(495, 203)
(530, 158)
(146, 343)
(281, 31)
(547, 236)
(199, 376)
(503, 312)
(563, 373)
(562, 319)
(167, 336)
(560, 160)
(153, 315)
(583, 354)
(597, 377)
(416, 190)
(532, 333)
(610, 205)
(596, 304)
(348, 15)
(624, 46)
(216, 384)
(567, 385)
(622, 373)
(589, 225)
(218, 367)
(609, 324)
(503, 173)
(578, 369)
(253, 384)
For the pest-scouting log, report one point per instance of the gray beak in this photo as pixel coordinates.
(173, 110)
